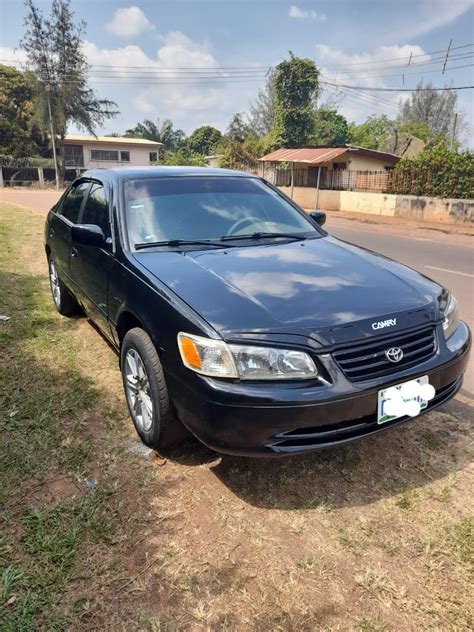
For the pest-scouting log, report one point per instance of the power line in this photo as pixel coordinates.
(383, 61)
(368, 99)
(224, 77)
(95, 68)
(267, 68)
(414, 74)
(373, 105)
(340, 85)
(145, 71)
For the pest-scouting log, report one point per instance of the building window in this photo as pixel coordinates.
(125, 156)
(104, 154)
(339, 166)
(73, 156)
(153, 155)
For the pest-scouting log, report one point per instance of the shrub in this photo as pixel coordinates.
(437, 172)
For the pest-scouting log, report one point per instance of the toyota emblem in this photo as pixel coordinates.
(394, 354)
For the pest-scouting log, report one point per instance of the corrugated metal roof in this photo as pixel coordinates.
(311, 155)
(317, 155)
(111, 139)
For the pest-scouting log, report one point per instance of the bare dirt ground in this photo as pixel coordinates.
(34, 199)
(375, 536)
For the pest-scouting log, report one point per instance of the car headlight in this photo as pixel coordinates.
(218, 359)
(449, 308)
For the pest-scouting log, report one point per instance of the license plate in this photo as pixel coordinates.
(382, 416)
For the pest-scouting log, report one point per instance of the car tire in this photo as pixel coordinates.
(146, 393)
(63, 300)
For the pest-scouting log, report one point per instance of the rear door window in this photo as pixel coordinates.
(73, 201)
(96, 209)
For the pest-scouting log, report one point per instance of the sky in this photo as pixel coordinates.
(200, 61)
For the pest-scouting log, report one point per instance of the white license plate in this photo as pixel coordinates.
(382, 416)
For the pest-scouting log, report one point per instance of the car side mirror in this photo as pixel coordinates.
(319, 217)
(88, 235)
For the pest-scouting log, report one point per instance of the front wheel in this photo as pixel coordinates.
(146, 392)
(63, 300)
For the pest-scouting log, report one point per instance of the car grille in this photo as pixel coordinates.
(368, 360)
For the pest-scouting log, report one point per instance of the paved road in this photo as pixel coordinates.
(448, 259)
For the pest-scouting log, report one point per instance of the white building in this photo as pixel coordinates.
(92, 152)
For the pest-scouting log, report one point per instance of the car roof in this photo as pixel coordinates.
(126, 173)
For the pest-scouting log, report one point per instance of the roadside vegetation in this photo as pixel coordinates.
(98, 534)
(296, 107)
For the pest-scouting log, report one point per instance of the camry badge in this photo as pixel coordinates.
(394, 354)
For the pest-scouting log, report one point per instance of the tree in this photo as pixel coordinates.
(296, 87)
(330, 128)
(59, 66)
(204, 140)
(183, 156)
(434, 108)
(373, 133)
(19, 135)
(236, 155)
(164, 133)
(262, 111)
(238, 130)
(420, 130)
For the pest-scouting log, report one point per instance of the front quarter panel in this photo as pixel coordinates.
(134, 291)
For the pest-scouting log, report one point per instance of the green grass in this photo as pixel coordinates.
(42, 397)
(460, 540)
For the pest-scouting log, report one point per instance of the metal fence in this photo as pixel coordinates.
(337, 179)
(403, 181)
(33, 176)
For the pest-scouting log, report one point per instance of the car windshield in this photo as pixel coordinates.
(208, 208)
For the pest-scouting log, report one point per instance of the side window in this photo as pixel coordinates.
(96, 210)
(72, 202)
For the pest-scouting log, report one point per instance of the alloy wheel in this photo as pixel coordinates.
(138, 392)
(54, 280)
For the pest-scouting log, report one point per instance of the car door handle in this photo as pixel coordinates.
(74, 252)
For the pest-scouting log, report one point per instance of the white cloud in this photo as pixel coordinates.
(305, 14)
(438, 13)
(129, 22)
(12, 55)
(136, 81)
(161, 94)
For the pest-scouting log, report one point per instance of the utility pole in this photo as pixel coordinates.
(447, 54)
(53, 137)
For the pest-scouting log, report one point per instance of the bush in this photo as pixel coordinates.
(437, 173)
(182, 157)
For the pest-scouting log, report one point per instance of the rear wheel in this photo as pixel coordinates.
(63, 300)
(146, 392)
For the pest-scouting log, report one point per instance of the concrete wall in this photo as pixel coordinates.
(409, 206)
(139, 156)
(365, 163)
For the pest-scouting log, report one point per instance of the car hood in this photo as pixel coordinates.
(324, 287)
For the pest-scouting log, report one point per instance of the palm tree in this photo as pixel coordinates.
(164, 133)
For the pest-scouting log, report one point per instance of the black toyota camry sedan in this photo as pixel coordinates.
(238, 318)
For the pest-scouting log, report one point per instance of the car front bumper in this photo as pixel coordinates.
(262, 419)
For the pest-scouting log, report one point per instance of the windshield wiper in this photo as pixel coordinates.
(175, 243)
(263, 235)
